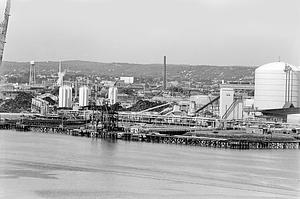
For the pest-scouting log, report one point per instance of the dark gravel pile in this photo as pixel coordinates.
(22, 103)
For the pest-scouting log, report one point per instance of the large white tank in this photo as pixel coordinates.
(65, 97)
(112, 95)
(271, 86)
(84, 93)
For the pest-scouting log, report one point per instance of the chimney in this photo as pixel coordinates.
(165, 74)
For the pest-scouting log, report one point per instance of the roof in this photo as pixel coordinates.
(276, 66)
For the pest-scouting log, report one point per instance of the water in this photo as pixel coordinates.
(35, 165)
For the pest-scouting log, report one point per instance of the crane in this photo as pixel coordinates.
(3, 29)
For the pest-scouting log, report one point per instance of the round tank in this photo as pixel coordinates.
(84, 92)
(113, 95)
(275, 87)
(65, 97)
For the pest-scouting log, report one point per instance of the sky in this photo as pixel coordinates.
(216, 32)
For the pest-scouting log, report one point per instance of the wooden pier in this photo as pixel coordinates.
(214, 141)
(222, 143)
(204, 141)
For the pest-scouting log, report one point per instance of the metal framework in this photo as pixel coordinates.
(3, 29)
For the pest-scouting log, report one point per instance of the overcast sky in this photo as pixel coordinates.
(222, 32)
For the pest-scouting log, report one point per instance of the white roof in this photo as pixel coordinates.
(276, 66)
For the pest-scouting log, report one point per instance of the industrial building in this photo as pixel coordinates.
(226, 99)
(127, 80)
(192, 108)
(235, 103)
(43, 104)
(65, 97)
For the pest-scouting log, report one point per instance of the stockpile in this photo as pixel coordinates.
(145, 104)
(21, 103)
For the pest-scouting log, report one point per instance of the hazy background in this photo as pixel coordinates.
(221, 32)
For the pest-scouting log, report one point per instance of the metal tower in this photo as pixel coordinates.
(3, 29)
(32, 75)
(165, 74)
(288, 86)
(60, 80)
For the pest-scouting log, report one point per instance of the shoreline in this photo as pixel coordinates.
(200, 140)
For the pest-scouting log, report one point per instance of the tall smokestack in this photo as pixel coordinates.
(31, 73)
(165, 74)
(59, 67)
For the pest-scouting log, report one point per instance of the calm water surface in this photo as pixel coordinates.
(35, 165)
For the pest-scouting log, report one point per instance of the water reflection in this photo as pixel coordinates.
(57, 166)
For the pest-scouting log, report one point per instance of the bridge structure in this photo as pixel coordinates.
(196, 122)
(3, 29)
(129, 117)
(45, 125)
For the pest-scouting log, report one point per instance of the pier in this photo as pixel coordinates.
(223, 140)
(216, 142)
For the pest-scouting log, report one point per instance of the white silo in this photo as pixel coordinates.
(276, 84)
(65, 97)
(84, 93)
(112, 95)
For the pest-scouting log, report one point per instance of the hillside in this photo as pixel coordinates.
(127, 69)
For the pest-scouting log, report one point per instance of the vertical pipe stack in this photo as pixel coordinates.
(165, 74)
(32, 73)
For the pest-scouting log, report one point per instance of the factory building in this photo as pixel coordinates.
(112, 95)
(127, 80)
(84, 93)
(226, 99)
(192, 108)
(65, 97)
(236, 101)
(39, 105)
(43, 104)
(277, 86)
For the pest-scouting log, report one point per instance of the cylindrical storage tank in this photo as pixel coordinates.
(274, 88)
(113, 95)
(84, 93)
(65, 97)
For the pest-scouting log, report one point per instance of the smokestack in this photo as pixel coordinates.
(59, 67)
(165, 74)
(31, 73)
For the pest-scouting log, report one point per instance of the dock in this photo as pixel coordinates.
(75, 128)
